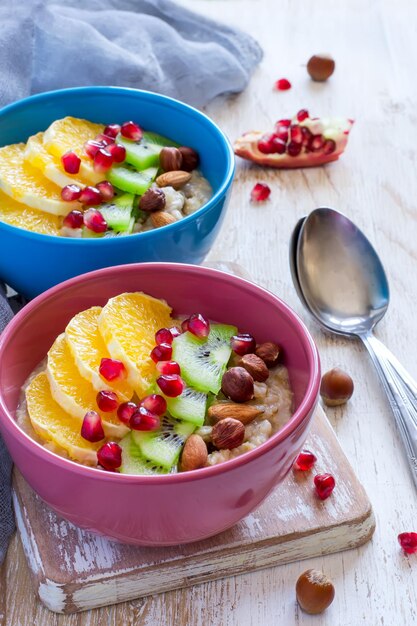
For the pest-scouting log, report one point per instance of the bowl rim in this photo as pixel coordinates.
(128, 91)
(307, 404)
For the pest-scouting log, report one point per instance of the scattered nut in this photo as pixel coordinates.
(176, 179)
(161, 218)
(255, 366)
(320, 67)
(245, 413)
(268, 352)
(152, 200)
(228, 434)
(170, 159)
(315, 591)
(237, 384)
(336, 387)
(194, 454)
(190, 158)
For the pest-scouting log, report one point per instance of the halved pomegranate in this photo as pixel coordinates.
(304, 142)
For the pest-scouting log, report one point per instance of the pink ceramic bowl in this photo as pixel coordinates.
(177, 508)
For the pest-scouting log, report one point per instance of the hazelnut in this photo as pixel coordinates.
(315, 591)
(194, 454)
(152, 200)
(228, 434)
(320, 67)
(190, 158)
(336, 387)
(170, 159)
(255, 366)
(237, 384)
(268, 352)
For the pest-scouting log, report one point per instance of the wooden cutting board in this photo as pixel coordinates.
(74, 570)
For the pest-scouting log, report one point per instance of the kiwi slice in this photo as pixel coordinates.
(127, 178)
(163, 446)
(144, 153)
(133, 461)
(118, 213)
(190, 406)
(203, 361)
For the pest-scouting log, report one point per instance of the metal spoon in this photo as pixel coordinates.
(342, 283)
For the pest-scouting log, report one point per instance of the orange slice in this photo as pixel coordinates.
(22, 216)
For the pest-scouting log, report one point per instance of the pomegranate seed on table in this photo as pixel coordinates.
(294, 149)
(90, 195)
(161, 352)
(125, 411)
(154, 403)
(106, 190)
(171, 385)
(112, 130)
(103, 160)
(324, 483)
(184, 326)
(408, 542)
(107, 401)
(69, 193)
(260, 192)
(143, 419)
(198, 325)
(163, 335)
(117, 152)
(132, 131)
(94, 220)
(111, 369)
(305, 461)
(71, 162)
(243, 343)
(168, 367)
(282, 84)
(91, 148)
(104, 140)
(74, 219)
(110, 456)
(302, 115)
(92, 428)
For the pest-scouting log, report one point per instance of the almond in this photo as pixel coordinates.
(255, 366)
(161, 218)
(176, 179)
(228, 434)
(194, 454)
(245, 413)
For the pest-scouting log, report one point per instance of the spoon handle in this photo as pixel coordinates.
(400, 389)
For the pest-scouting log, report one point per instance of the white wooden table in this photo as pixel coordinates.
(375, 183)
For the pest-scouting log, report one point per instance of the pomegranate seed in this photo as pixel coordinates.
(296, 135)
(92, 428)
(90, 195)
(171, 385)
(260, 192)
(69, 193)
(302, 115)
(110, 456)
(163, 335)
(316, 143)
(132, 131)
(408, 542)
(281, 132)
(142, 419)
(102, 161)
(162, 352)
(175, 331)
(104, 140)
(199, 325)
(71, 162)
(74, 219)
(305, 461)
(155, 404)
(125, 411)
(324, 484)
(278, 145)
(265, 144)
(282, 84)
(285, 123)
(168, 367)
(94, 220)
(117, 152)
(111, 369)
(106, 190)
(294, 149)
(91, 148)
(329, 146)
(243, 343)
(307, 135)
(112, 130)
(107, 401)
(184, 326)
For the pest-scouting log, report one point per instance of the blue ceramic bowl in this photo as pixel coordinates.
(31, 262)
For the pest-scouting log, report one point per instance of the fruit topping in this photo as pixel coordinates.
(168, 367)
(143, 419)
(110, 456)
(70, 193)
(125, 411)
(198, 325)
(94, 220)
(228, 434)
(117, 152)
(320, 67)
(92, 428)
(74, 219)
(189, 406)
(127, 178)
(152, 200)
(170, 159)
(305, 461)
(237, 384)
(194, 454)
(112, 130)
(408, 542)
(324, 483)
(282, 84)
(71, 162)
(104, 140)
(243, 343)
(90, 196)
(190, 158)
(315, 591)
(91, 147)
(171, 385)
(162, 352)
(107, 401)
(336, 387)
(112, 369)
(163, 445)
(260, 192)
(106, 190)
(163, 335)
(154, 403)
(132, 131)
(103, 160)
(133, 461)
